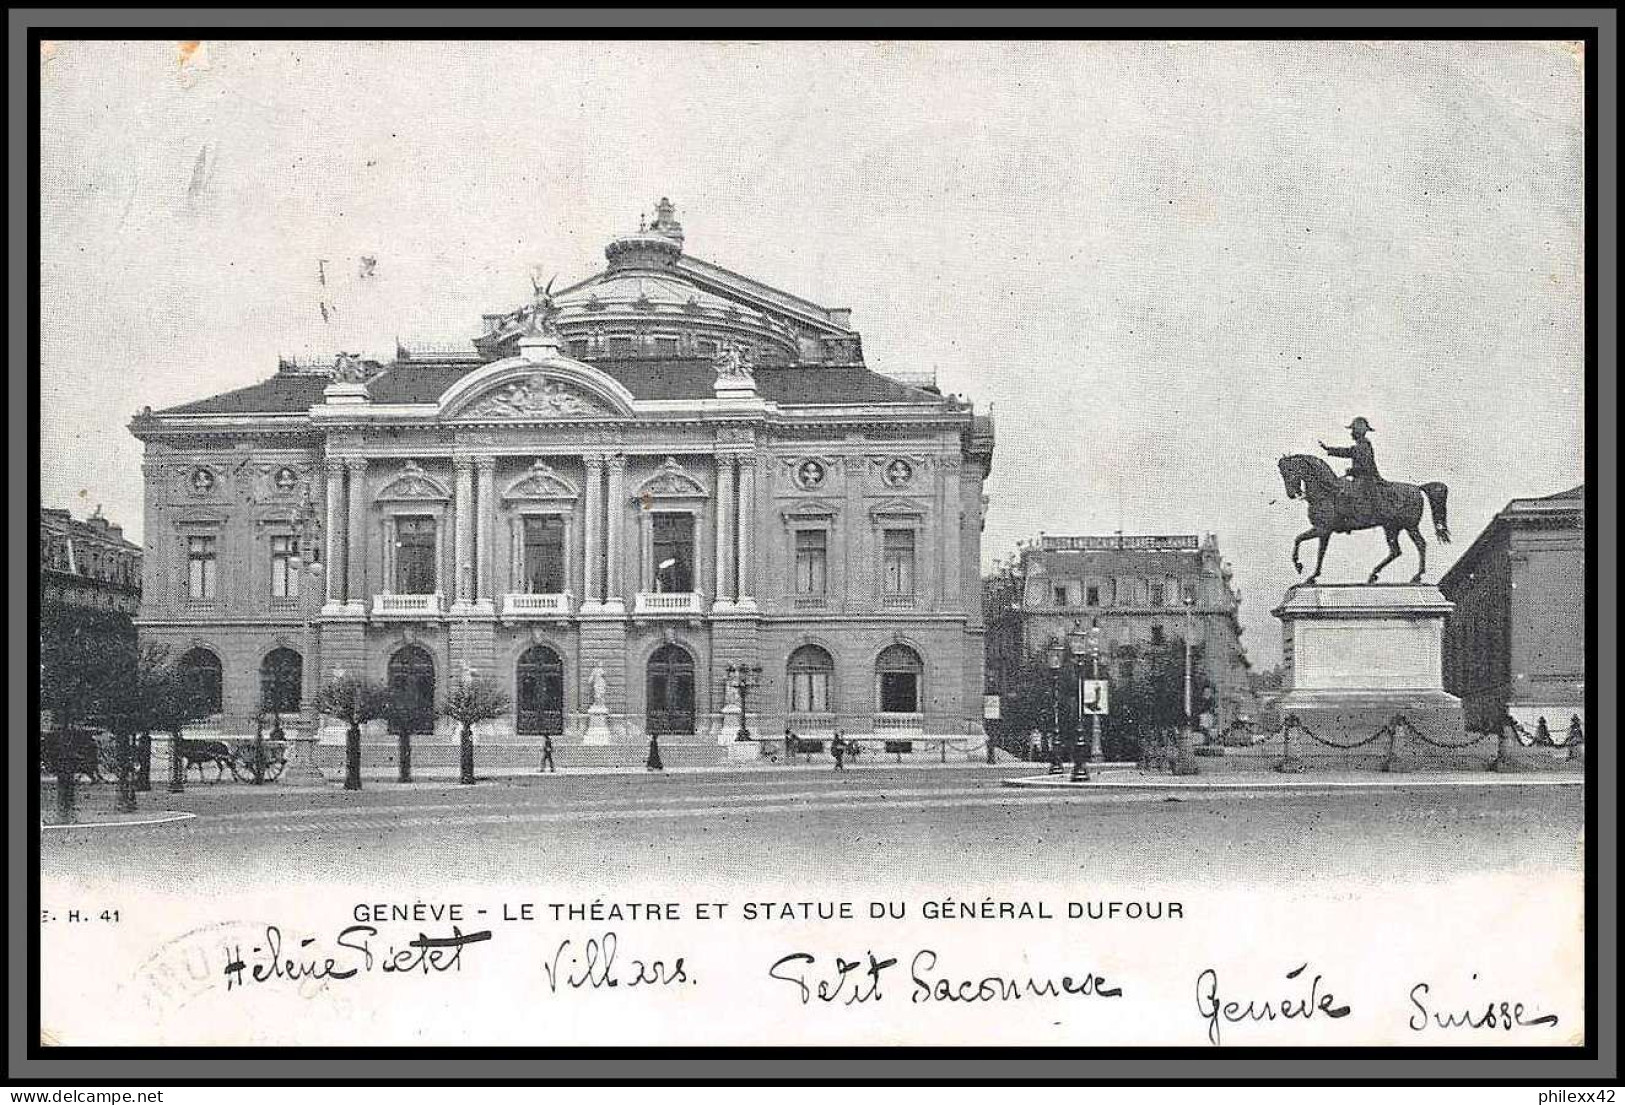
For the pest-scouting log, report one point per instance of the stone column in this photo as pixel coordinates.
(485, 467)
(615, 589)
(747, 531)
(334, 556)
(725, 530)
(592, 545)
(462, 557)
(355, 560)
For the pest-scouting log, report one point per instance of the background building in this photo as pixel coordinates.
(87, 564)
(1135, 588)
(655, 473)
(1516, 641)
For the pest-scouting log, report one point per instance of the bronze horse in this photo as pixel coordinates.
(1335, 508)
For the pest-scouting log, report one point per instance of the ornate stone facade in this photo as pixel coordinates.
(539, 516)
(1515, 643)
(1135, 587)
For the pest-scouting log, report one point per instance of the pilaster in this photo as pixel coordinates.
(746, 559)
(592, 543)
(485, 470)
(615, 588)
(462, 557)
(334, 556)
(355, 558)
(725, 533)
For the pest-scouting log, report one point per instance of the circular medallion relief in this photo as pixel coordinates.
(809, 474)
(286, 478)
(202, 480)
(898, 473)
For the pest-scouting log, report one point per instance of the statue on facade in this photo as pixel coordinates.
(600, 687)
(1361, 500)
(348, 369)
(542, 309)
(732, 363)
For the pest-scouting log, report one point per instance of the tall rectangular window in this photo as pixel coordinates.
(897, 561)
(1092, 595)
(201, 581)
(1157, 595)
(673, 537)
(1060, 596)
(812, 559)
(284, 579)
(414, 556)
(544, 555)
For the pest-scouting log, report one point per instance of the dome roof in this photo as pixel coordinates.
(650, 302)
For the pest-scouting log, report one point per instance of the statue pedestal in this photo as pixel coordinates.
(597, 725)
(728, 728)
(1357, 656)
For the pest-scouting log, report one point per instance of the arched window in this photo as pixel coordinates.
(281, 681)
(811, 671)
(201, 680)
(899, 675)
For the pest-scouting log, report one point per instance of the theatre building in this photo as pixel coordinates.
(611, 495)
(1515, 642)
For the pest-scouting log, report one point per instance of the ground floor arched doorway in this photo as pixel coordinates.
(669, 703)
(411, 688)
(539, 703)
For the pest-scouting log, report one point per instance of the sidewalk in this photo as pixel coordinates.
(1132, 779)
(447, 777)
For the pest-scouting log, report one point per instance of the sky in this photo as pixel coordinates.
(1161, 265)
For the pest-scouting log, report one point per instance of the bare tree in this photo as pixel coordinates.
(472, 700)
(355, 701)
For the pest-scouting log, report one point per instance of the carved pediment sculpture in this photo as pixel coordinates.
(534, 396)
(671, 481)
(414, 483)
(540, 482)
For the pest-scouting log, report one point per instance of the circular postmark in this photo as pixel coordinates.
(193, 967)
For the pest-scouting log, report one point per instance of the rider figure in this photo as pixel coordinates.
(1367, 481)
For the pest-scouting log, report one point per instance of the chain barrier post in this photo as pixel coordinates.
(1289, 764)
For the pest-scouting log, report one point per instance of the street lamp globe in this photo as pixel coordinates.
(1077, 642)
(1053, 653)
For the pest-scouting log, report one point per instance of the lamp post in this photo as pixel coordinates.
(1096, 752)
(1054, 655)
(352, 737)
(743, 678)
(1186, 763)
(1077, 644)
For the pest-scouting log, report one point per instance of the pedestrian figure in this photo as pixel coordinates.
(653, 763)
(1543, 735)
(547, 755)
(1054, 758)
(837, 748)
(1034, 742)
(789, 744)
(991, 758)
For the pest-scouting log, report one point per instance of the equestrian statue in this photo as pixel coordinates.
(1360, 500)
